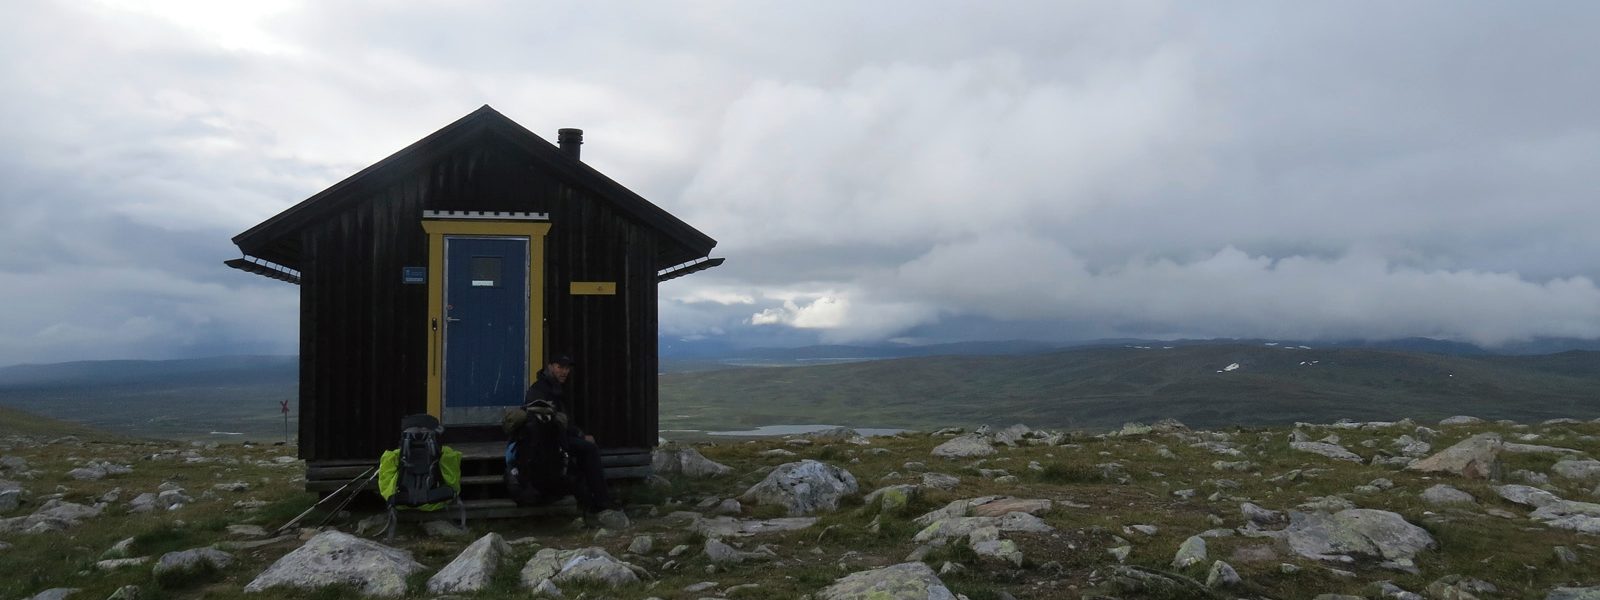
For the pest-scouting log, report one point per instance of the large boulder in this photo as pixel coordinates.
(584, 564)
(1526, 495)
(966, 446)
(673, 458)
(338, 558)
(803, 487)
(1572, 593)
(1356, 533)
(473, 568)
(1476, 457)
(1459, 420)
(905, 581)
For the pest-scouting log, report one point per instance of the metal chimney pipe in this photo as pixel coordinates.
(570, 139)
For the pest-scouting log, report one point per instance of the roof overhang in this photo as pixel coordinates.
(687, 268)
(251, 264)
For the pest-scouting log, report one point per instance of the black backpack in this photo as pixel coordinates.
(538, 470)
(420, 482)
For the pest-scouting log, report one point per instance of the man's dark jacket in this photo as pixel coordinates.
(546, 387)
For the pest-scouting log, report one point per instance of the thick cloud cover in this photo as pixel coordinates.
(918, 171)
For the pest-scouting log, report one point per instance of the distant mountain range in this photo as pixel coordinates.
(703, 350)
(1097, 385)
(1208, 385)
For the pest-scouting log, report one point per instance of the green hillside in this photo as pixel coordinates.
(1104, 387)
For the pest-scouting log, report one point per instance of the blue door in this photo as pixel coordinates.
(486, 327)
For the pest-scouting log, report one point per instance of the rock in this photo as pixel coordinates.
(905, 581)
(1583, 517)
(1476, 457)
(444, 529)
(720, 553)
(1515, 448)
(189, 563)
(1587, 469)
(998, 550)
(803, 487)
(472, 570)
(338, 558)
(778, 452)
(686, 460)
(247, 531)
(55, 515)
(127, 592)
(1460, 420)
(1572, 593)
(121, 549)
(1169, 425)
(10, 500)
(546, 589)
(1457, 587)
(966, 446)
(1222, 575)
(1333, 451)
(1444, 495)
(1191, 552)
(1386, 589)
(1261, 516)
(1217, 448)
(1356, 532)
(113, 564)
(584, 564)
(940, 481)
(892, 499)
(1254, 554)
(943, 529)
(87, 473)
(1526, 496)
(1121, 553)
(54, 594)
(614, 520)
(1002, 506)
(641, 545)
(1565, 555)
(1139, 582)
(1011, 435)
(723, 527)
(1133, 429)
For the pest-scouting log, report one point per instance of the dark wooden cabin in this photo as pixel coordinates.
(439, 280)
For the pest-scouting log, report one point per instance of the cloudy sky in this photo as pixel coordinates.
(914, 171)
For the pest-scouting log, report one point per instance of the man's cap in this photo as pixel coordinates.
(564, 360)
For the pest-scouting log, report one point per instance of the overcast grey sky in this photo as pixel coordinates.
(915, 171)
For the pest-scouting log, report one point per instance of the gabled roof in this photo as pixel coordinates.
(276, 239)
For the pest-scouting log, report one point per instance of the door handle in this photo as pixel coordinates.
(451, 319)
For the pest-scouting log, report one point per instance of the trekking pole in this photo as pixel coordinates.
(347, 499)
(372, 470)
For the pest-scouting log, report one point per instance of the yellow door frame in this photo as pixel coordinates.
(437, 230)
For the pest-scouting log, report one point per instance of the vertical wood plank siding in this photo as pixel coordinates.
(363, 339)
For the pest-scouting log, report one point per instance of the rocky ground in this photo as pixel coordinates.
(1458, 509)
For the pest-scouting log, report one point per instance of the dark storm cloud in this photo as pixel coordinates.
(911, 170)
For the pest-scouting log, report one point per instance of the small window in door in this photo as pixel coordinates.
(485, 271)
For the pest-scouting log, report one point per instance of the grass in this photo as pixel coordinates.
(1515, 554)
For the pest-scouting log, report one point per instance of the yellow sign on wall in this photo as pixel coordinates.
(594, 288)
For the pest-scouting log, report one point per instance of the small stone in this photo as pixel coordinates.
(1191, 552)
(1566, 555)
(1222, 575)
(641, 545)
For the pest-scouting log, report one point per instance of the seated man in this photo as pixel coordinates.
(548, 387)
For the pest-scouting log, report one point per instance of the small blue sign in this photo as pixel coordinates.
(414, 275)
